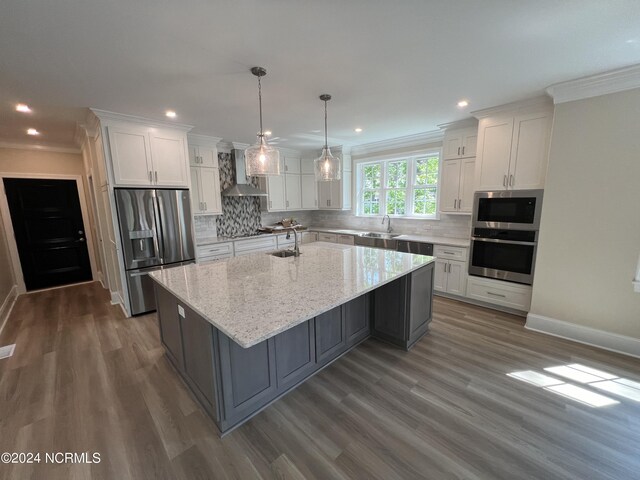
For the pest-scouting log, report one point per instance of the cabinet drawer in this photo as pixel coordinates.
(308, 237)
(327, 237)
(497, 292)
(243, 247)
(452, 253)
(216, 250)
(346, 239)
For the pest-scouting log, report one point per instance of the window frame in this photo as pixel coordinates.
(410, 158)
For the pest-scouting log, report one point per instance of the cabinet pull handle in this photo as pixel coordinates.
(449, 253)
(156, 176)
(270, 203)
(504, 181)
(150, 177)
(459, 203)
(496, 294)
(205, 205)
(287, 203)
(454, 204)
(511, 180)
(445, 268)
(463, 150)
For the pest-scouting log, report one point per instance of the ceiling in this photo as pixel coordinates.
(393, 68)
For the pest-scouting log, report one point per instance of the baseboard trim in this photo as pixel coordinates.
(586, 335)
(480, 303)
(7, 306)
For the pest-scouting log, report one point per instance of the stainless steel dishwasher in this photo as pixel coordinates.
(415, 247)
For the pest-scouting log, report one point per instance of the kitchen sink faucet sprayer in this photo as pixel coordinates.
(389, 229)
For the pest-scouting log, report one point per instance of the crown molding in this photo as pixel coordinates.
(107, 117)
(203, 140)
(459, 124)
(541, 102)
(408, 141)
(238, 145)
(613, 81)
(42, 148)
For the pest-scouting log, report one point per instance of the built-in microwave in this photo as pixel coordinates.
(507, 209)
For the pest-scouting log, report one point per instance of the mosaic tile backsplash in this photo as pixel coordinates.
(240, 215)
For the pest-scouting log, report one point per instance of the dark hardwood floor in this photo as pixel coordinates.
(85, 379)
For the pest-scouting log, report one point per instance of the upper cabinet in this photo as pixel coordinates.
(144, 156)
(336, 194)
(205, 175)
(200, 156)
(456, 185)
(460, 143)
(513, 151)
(292, 190)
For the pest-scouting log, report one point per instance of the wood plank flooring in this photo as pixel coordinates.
(85, 379)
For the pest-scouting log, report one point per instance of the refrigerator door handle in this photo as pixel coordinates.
(156, 216)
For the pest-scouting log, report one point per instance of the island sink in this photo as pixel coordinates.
(283, 253)
(243, 332)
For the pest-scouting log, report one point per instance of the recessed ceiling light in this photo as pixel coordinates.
(21, 107)
(463, 103)
(358, 130)
(170, 114)
(33, 131)
(267, 132)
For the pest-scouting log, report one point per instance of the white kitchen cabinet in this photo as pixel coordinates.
(291, 165)
(336, 194)
(202, 156)
(276, 200)
(205, 191)
(309, 237)
(143, 156)
(456, 185)
(497, 292)
(346, 239)
(130, 155)
(460, 143)
(292, 190)
(263, 243)
(309, 192)
(215, 251)
(327, 237)
(513, 151)
(168, 158)
(450, 269)
(307, 166)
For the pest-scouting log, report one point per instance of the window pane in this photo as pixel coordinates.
(397, 174)
(371, 202)
(424, 201)
(427, 171)
(396, 201)
(372, 174)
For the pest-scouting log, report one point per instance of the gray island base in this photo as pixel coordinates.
(236, 364)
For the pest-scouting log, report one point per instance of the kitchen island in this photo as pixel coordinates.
(244, 331)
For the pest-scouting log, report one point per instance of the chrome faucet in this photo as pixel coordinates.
(389, 229)
(296, 248)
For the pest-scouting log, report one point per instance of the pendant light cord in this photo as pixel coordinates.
(326, 143)
(260, 102)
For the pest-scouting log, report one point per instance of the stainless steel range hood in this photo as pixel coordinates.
(242, 187)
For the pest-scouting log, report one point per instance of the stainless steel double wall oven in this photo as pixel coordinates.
(504, 238)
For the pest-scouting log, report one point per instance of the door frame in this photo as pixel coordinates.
(8, 225)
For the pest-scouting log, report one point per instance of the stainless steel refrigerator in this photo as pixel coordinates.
(155, 225)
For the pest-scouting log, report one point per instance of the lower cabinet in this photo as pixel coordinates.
(295, 354)
(402, 309)
(169, 325)
(248, 378)
(330, 335)
(357, 315)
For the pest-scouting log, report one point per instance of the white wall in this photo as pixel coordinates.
(590, 231)
(6, 270)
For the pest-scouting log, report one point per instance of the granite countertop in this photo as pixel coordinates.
(438, 240)
(254, 297)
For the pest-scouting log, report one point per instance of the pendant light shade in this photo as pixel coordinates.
(326, 166)
(261, 159)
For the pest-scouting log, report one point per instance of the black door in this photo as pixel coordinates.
(47, 222)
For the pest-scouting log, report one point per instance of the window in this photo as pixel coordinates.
(401, 187)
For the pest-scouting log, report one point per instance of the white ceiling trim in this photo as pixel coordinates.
(42, 148)
(612, 81)
(542, 102)
(416, 140)
(106, 117)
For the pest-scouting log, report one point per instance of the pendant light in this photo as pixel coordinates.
(326, 166)
(261, 159)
